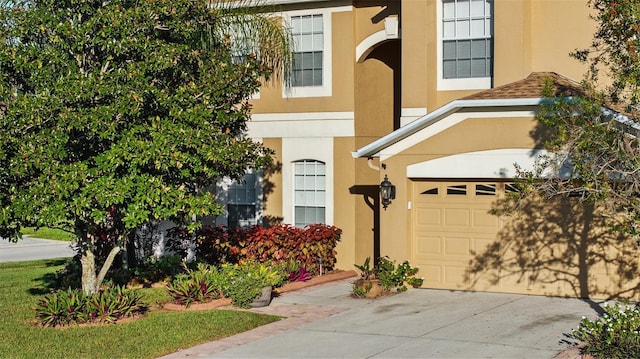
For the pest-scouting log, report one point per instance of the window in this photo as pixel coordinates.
(466, 39)
(242, 200)
(309, 192)
(307, 32)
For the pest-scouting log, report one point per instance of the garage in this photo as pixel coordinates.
(451, 221)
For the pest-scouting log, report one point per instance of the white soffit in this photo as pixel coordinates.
(498, 163)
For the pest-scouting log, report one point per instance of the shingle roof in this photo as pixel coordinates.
(531, 87)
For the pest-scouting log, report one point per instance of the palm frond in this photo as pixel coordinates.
(253, 29)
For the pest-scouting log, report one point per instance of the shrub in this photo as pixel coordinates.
(390, 277)
(200, 285)
(73, 306)
(312, 247)
(153, 270)
(615, 335)
(244, 282)
(396, 277)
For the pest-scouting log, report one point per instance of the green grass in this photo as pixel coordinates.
(159, 333)
(48, 233)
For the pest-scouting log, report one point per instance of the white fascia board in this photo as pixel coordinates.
(373, 149)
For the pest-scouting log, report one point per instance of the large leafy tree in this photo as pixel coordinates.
(594, 137)
(116, 113)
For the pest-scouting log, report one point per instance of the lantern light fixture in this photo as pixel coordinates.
(387, 192)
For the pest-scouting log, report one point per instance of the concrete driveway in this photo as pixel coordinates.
(325, 322)
(32, 249)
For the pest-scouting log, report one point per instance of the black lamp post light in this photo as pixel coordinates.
(387, 192)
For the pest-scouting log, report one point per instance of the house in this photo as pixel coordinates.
(438, 97)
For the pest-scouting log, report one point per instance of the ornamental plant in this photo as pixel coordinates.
(391, 277)
(196, 286)
(73, 306)
(312, 246)
(614, 335)
(244, 282)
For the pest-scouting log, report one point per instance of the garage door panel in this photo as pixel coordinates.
(454, 276)
(482, 219)
(457, 218)
(432, 275)
(456, 247)
(428, 246)
(431, 217)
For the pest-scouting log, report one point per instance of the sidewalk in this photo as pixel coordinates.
(325, 322)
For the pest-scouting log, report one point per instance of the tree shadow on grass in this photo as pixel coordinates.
(50, 281)
(558, 248)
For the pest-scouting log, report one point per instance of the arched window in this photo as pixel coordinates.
(309, 192)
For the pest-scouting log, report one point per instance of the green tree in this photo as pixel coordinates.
(593, 137)
(118, 113)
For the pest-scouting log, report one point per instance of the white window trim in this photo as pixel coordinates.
(297, 149)
(474, 83)
(326, 89)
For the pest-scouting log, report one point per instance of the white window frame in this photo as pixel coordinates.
(326, 88)
(472, 83)
(315, 191)
(297, 149)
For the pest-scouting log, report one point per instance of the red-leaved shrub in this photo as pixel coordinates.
(312, 246)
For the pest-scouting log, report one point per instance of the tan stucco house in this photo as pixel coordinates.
(440, 96)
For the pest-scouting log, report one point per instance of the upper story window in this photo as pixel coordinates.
(309, 192)
(307, 32)
(312, 52)
(466, 44)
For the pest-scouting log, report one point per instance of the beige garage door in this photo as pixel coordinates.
(450, 222)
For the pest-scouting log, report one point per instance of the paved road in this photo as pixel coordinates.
(33, 248)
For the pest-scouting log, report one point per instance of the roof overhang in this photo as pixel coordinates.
(373, 149)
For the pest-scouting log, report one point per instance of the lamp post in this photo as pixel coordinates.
(387, 192)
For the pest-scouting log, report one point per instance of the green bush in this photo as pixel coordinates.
(200, 285)
(391, 277)
(615, 335)
(240, 282)
(153, 270)
(74, 307)
(244, 282)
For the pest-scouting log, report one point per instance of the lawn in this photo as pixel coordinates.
(48, 233)
(157, 334)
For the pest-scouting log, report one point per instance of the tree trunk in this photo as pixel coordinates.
(105, 267)
(88, 262)
(90, 282)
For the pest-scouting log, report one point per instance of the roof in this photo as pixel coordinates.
(523, 93)
(531, 87)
